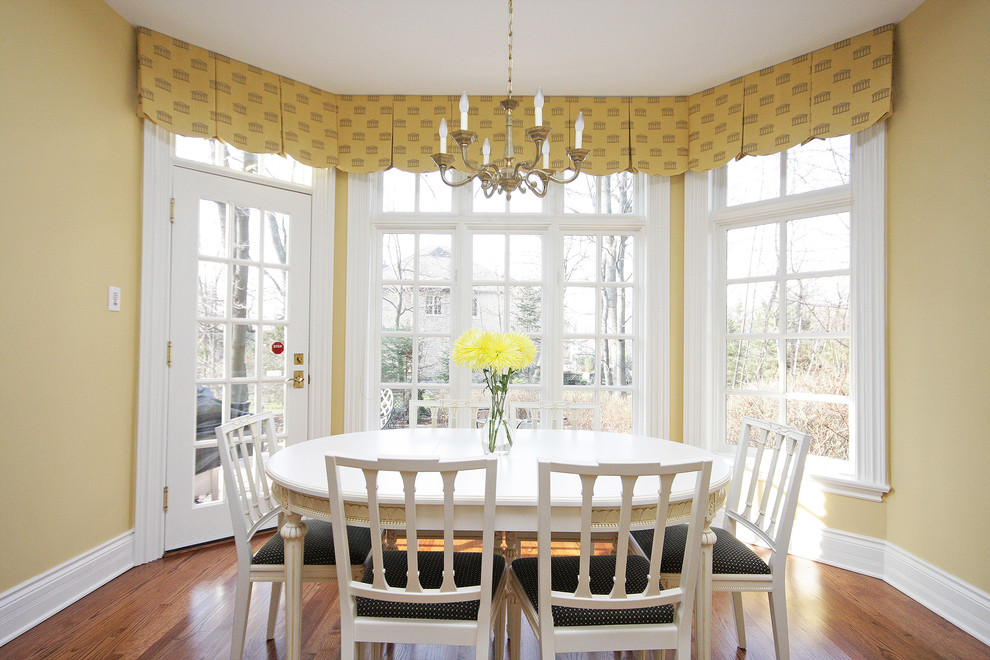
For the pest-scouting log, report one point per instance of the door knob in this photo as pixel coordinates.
(298, 380)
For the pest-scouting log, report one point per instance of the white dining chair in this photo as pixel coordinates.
(610, 602)
(555, 415)
(457, 413)
(763, 497)
(243, 444)
(419, 596)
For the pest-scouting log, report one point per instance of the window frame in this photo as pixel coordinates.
(367, 222)
(864, 476)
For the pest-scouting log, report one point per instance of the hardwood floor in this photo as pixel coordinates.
(180, 607)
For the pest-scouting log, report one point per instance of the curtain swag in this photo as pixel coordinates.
(836, 90)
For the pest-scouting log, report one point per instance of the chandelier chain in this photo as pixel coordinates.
(510, 50)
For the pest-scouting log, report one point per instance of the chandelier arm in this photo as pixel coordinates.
(577, 171)
(455, 184)
(540, 187)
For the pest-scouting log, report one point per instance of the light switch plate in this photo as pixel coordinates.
(113, 299)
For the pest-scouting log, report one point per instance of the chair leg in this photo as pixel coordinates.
(242, 600)
(737, 612)
(273, 609)
(498, 643)
(778, 618)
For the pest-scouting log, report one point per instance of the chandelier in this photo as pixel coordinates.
(505, 175)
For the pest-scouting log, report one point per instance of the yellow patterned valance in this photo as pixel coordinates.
(836, 90)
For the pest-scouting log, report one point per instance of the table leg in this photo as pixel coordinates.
(293, 534)
(703, 606)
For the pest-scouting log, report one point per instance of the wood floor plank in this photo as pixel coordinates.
(181, 608)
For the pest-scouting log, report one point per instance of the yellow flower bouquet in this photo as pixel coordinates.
(498, 355)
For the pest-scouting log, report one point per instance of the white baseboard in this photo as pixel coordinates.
(33, 601)
(946, 595)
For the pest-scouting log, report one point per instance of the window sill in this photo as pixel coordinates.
(850, 487)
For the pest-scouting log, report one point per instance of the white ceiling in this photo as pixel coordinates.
(586, 47)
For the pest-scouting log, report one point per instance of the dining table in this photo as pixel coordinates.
(299, 484)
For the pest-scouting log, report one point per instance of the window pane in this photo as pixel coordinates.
(815, 244)
(526, 257)
(818, 164)
(524, 203)
(531, 374)
(579, 309)
(212, 228)
(400, 410)
(751, 364)
(826, 423)
(491, 306)
(488, 253)
(579, 361)
(434, 309)
(581, 195)
(396, 360)
(398, 191)
(617, 258)
(397, 309)
(820, 366)
(752, 179)
(482, 204)
(425, 414)
(616, 364)
(527, 308)
(616, 412)
(434, 194)
(618, 193)
(580, 258)
(751, 307)
(757, 407)
(397, 256)
(434, 257)
(434, 360)
(617, 310)
(818, 304)
(752, 251)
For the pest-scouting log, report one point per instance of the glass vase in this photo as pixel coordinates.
(496, 438)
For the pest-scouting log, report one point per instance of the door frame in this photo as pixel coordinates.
(152, 399)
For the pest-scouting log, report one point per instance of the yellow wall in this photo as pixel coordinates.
(938, 232)
(70, 185)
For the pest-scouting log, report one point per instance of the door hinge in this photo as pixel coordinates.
(168, 357)
(171, 211)
(165, 500)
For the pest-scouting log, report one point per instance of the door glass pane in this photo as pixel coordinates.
(272, 363)
(242, 351)
(209, 353)
(247, 233)
(273, 400)
(276, 232)
(245, 292)
(212, 228)
(275, 288)
(212, 285)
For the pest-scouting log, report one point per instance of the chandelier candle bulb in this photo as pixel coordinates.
(546, 155)
(443, 136)
(578, 128)
(538, 105)
(486, 151)
(465, 106)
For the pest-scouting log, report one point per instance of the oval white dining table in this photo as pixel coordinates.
(299, 483)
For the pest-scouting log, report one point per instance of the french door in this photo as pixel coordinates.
(239, 333)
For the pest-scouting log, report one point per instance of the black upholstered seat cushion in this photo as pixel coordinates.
(564, 577)
(730, 556)
(467, 573)
(318, 546)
